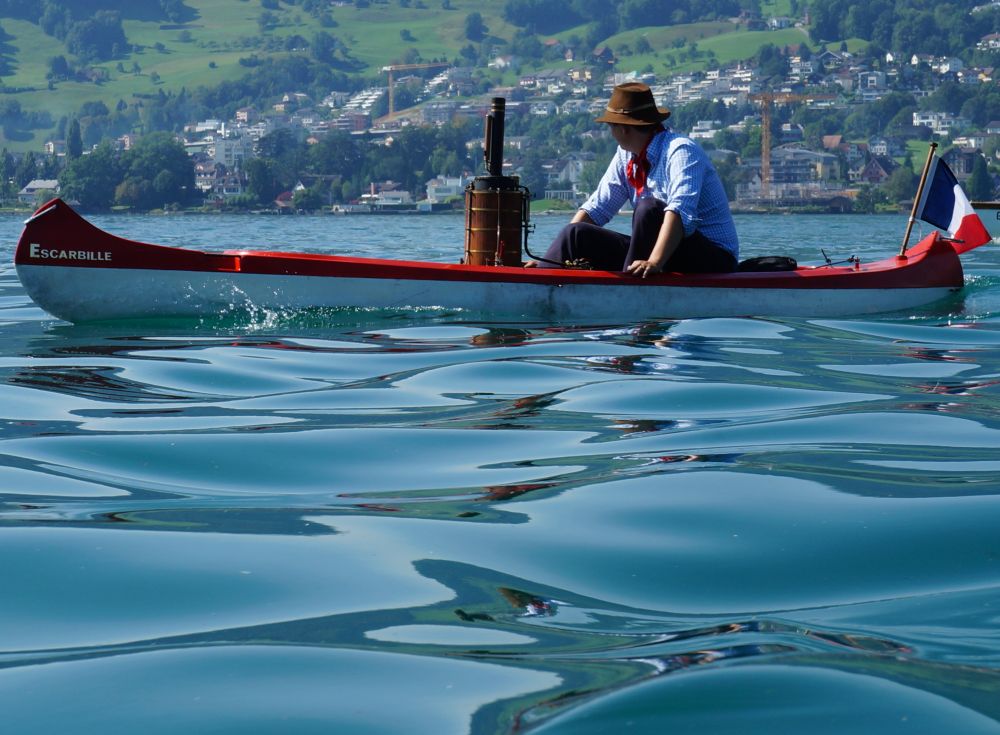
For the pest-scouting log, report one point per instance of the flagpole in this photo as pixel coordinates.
(916, 199)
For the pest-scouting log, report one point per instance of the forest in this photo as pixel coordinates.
(553, 16)
(911, 26)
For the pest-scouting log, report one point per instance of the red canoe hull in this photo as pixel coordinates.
(78, 272)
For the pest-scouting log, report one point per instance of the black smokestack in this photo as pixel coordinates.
(494, 137)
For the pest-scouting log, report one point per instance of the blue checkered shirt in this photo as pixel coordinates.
(682, 177)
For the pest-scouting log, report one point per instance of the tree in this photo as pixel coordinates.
(262, 183)
(323, 47)
(91, 179)
(308, 200)
(26, 170)
(58, 68)
(475, 28)
(174, 10)
(868, 199)
(772, 61)
(74, 141)
(7, 168)
(159, 173)
(267, 21)
(980, 184)
(99, 37)
(336, 153)
(901, 185)
(591, 174)
(533, 174)
(469, 53)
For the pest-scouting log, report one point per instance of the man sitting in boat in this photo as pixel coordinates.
(681, 220)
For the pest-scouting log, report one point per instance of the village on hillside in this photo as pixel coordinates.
(787, 172)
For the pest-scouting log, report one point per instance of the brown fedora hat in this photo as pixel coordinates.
(633, 104)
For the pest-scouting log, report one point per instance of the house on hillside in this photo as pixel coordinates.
(218, 182)
(832, 142)
(791, 133)
(940, 123)
(438, 112)
(794, 164)
(947, 64)
(854, 153)
(247, 115)
(961, 160)
(974, 139)
(882, 146)
(603, 55)
(543, 108)
(830, 60)
(799, 69)
(705, 129)
(989, 42)
(503, 62)
(233, 152)
(444, 188)
(875, 80)
(877, 170)
(36, 188)
(353, 121)
(567, 169)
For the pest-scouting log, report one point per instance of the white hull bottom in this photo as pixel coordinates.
(91, 294)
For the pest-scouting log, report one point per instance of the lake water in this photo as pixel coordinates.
(435, 522)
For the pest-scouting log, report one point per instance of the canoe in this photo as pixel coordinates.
(78, 272)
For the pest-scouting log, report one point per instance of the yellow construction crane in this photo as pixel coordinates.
(767, 101)
(392, 68)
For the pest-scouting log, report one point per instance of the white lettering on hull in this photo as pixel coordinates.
(38, 252)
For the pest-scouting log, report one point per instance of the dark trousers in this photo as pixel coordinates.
(608, 250)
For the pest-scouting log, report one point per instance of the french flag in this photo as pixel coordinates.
(944, 205)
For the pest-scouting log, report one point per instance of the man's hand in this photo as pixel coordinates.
(644, 268)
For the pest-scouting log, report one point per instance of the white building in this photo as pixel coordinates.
(30, 193)
(443, 188)
(705, 129)
(940, 123)
(232, 152)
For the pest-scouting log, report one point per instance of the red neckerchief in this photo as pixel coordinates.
(637, 168)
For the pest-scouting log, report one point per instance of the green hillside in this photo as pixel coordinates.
(208, 49)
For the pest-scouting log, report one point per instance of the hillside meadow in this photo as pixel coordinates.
(207, 50)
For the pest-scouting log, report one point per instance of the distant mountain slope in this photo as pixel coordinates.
(58, 56)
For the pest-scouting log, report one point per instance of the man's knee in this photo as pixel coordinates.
(573, 229)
